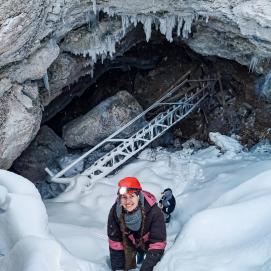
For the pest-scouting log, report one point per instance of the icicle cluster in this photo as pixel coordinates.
(165, 23)
(102, 48)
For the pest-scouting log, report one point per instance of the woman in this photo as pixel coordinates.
(135, 226)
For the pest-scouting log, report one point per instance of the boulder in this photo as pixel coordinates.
(103, 120)
(20, 117)
(46, 148)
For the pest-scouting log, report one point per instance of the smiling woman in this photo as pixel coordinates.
(129, 202)
(136, 228)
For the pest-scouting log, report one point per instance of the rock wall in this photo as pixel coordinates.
(20, 117)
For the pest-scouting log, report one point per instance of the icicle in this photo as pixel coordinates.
(166, 26)
(147, 27)
(171, 22)
(94, 5)
(156, 23)
(163, 25)
(180, 25)
(187, 26)
(110, 46)
(46, 81)
(125, 23)
(207, 19)
(91, 68)
(253, 63)
(103, 57)
(133, 20)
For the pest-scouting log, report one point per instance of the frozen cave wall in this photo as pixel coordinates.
(46, 45)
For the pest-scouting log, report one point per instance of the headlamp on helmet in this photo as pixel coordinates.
(123, 190)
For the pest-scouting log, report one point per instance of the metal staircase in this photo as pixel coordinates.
(181, 99)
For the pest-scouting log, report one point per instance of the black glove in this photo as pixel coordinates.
(152, 258)
(117, 259)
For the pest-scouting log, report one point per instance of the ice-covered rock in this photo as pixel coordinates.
(36, 66)
(225, 143)
(263, 147)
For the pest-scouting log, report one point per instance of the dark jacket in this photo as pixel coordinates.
(154, 236)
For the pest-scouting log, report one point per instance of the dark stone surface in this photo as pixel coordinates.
(42, 152)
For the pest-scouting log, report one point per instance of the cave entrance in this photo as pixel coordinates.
(145, 72)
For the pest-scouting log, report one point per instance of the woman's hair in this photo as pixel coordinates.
(123, 226)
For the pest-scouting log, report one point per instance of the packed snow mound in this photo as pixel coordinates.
(32, 254)
(233, 233)
(221, 221)
(25, 240)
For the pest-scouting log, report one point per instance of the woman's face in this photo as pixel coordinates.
(129, 201)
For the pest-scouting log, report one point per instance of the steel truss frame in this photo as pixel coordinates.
(128, 147)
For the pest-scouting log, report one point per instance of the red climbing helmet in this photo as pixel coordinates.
(129, 185)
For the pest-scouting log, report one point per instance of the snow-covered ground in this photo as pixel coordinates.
(222, 219)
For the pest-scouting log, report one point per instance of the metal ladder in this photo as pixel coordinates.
(179, 103)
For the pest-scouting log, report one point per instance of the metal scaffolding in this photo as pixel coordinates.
(180, 100)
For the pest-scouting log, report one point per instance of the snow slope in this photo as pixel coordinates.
(221, 221)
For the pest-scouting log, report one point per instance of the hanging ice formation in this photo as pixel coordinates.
(166, 23)
(103, 45)
(265, 87)
(46, 81)
(94, 5)
(253, 63)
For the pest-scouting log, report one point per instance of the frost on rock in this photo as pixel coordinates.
(264, 87)
(96, 42)
(253, 63)
(225, 143)
(46, 81)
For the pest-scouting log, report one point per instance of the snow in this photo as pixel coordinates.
(222, 219)
(226, 144)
